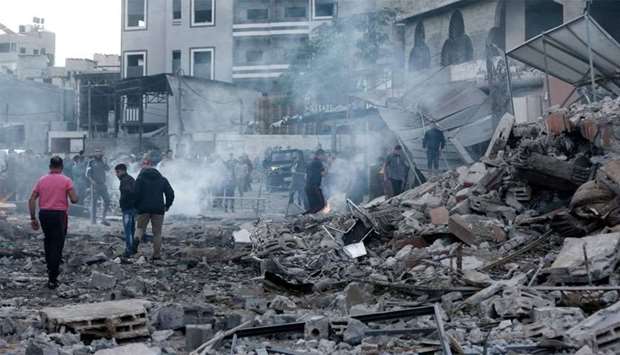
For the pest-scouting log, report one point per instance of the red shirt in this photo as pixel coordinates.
(53, 192)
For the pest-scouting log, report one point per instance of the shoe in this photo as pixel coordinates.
(136, 244)
(156, 258)
(52, 285)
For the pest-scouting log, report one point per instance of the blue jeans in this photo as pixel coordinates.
(129, 228)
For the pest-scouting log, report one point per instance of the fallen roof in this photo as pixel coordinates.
(567, 56)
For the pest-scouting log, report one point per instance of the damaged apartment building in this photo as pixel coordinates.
(455, 70)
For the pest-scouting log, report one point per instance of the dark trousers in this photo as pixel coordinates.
(229, 201)
(432, 158)
(397, 187)
(99, 190)
(129, 229)
(316, 201)
(54, 225)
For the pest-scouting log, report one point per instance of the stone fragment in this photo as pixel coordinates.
(131, 349)
(102, 281)
(196, 335)
(355, 332)
(170, 317)
(460, 229)
(356, 294)
(439, 216)
(161, 335)
(282, 304)
(316, 328)
(553, 322)
(41, 347)
(603, 252)
(598, 331)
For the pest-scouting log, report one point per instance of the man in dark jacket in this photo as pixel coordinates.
(149, 192)
(96, 173)
(127, 206)
(314, 177)
(396, 171)
(434, 141)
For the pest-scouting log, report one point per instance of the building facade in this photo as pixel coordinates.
(27, 53)
(243, 41)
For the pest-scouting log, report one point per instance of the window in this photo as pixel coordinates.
(201, 65)
(13, 47)
(295, 12)
(258, 14)
(324, 8)
(254, 56)
(135, 14)
(35, 51)
(22, 50)
(203, 12)
(43, 51)
(177, 13)
(135, 64)
(5, 47)
(176, 61)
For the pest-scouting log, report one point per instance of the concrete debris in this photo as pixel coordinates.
(511, 254)
(602, 252)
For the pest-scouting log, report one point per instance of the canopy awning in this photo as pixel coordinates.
(567, 56)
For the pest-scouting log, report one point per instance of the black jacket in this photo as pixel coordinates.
(434, 139)
(150, 189)
(127, 201)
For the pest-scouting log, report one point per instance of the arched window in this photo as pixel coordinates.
(420, 57)
(458, 47)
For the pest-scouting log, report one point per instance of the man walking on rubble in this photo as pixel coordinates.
(52, 191)
(149, 192)
(96, 174)
(126, 202)
(434, 141)
(314, 177)
(396, 171)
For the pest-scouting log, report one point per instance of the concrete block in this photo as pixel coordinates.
(102, 281)
(317, 328)
(355, 332)
(131, 349)
(461, 229)
(40, 347)
(439, 216)
(599, 331)
(198, 314)
(196, 335)
(171, 317)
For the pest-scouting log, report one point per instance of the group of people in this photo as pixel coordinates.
(143, 200)
(236, 180)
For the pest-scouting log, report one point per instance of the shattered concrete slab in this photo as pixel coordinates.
(119, 319)
(603, 253)
(599, 331)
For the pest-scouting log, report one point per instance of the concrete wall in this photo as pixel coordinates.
(162, 35)
(39, 107)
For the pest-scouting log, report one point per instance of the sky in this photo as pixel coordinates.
(82, 27)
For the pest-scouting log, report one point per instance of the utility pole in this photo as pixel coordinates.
(90, 117)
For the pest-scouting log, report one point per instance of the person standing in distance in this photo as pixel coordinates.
(150, 189)
(52, 191)
(126, 202)
(314, 178)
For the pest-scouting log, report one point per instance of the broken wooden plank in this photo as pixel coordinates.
(500, 136)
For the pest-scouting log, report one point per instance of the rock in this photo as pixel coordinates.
(95, 259)
(282, 304)
(170, 317)
(196, 335)
(7, 326)
(404, 252)
(66, 339)
(594, 331)
(355, 294)
(460, 229)
(585, 350)
(360, 309)
(41, 347)
(439, 216)
(100, 344)
(131, 349)
(102, 281)
(161, 335)
(355, 332)
(609, 297)
(603, 252)
(316, 327)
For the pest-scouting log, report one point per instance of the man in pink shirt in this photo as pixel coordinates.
(52, 191)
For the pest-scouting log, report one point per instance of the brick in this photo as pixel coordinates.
(461, 229)
(440, 216)
(196, 335)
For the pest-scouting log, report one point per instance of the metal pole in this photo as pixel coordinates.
(141, 121)
(90, 117)
(509, 82)
(547, 72)
(590, 53)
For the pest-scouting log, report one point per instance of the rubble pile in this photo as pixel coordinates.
(517, 253)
